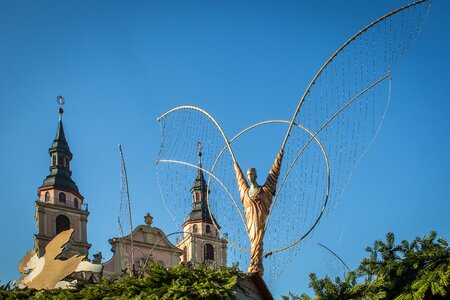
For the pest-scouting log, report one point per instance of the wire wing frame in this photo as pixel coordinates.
(344, 106)
(335, 122)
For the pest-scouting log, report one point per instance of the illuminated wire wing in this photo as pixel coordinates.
(343, 106)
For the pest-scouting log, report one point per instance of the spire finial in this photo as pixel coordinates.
(60, 100)
(199, 147)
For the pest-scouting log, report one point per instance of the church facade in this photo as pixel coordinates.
(149, 243)
(200, 242)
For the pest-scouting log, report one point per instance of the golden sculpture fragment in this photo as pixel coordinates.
(48, 272)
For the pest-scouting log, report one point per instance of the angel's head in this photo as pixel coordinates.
(251, 175)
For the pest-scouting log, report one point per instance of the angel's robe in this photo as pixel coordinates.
(256, 209)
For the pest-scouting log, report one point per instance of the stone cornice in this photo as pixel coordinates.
(67, 209)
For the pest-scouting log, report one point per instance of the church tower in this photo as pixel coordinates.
(60, 205)
(201, 241)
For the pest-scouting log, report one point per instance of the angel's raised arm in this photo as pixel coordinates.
(274, 172)
(241, 181)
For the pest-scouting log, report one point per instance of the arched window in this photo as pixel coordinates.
(185, 254)
(54, 160)
(208, 229)
(47, 197)
(194, 228)
(75, 202)
(209, 252)
(62, 197)
(62, 223)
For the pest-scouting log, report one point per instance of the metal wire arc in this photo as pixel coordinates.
(337, 256)
(124, 169)
(242, 132)
(326, 161)
(328, 122)
(210, 117)
(228, 192)
(336, 53)
(303, 149)
(376, 133)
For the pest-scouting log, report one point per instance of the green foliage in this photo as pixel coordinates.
(295, 297)
(179, 282)
(405, 271)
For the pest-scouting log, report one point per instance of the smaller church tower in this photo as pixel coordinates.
(60, 205)
(201, 241)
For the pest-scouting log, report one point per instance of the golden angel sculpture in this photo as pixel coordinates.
(257, 200)
(334, 123)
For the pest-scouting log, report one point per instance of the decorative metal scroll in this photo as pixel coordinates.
(335, 122)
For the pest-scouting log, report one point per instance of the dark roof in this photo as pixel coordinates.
(200, 210)
(60, 180)
(60, 143)
(199, 182)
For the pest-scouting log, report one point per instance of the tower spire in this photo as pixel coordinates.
(199, 182)
(60, 173)
(60, 205)
(199, 188)
(207, 246)
(199, 191)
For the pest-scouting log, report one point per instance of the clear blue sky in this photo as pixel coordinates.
(121, 64)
